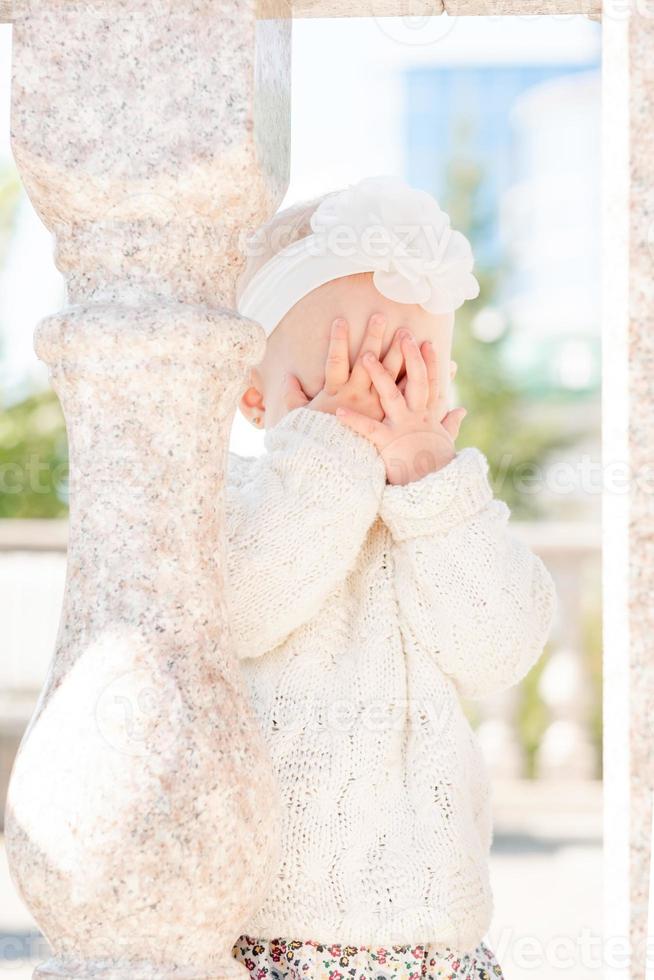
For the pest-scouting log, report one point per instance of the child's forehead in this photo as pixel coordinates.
(355, 299)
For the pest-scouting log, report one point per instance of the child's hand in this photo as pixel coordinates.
(351, 388)
(417, 434)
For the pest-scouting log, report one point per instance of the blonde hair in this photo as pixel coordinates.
(284, 228)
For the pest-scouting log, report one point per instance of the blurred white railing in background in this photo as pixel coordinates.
(32, 574)
(566, 750)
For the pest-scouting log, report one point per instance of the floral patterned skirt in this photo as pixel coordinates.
(282, 959)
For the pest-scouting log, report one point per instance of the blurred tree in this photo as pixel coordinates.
(9, 195)
(518, 433)
(593, 647)
(33, 458)
(516, 436)
(33, 452)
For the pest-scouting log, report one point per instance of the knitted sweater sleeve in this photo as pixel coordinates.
(296, 518)
(468, 590)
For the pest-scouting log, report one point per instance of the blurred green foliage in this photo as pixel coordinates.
(593, 651)
(33, 449)
(516, 436)
(9, 196)
(532, 715)
(33, 458)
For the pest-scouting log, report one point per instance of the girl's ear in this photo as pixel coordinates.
(251, 402)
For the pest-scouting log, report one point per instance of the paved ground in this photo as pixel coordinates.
(546, 871)
(546, 875)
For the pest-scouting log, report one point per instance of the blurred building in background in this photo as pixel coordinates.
(529, 134)
(550, 233)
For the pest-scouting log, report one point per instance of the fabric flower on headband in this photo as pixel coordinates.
(380, 225)
(404, 237)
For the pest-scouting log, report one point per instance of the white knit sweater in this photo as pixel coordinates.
(361, 611)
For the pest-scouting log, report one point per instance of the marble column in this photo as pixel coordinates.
(628, 507)
(641, 455)
(142, 820)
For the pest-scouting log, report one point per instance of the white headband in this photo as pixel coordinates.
(380, 225)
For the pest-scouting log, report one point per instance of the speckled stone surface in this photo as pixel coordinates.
(142, 822)
(426, 8)
(628, 506)
(641, 451)
(12, 9)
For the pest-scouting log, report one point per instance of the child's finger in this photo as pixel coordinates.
(431, 365)
(337, 363)
(394, 358)
(293, 395)
(363, 424)
(452, 421)
(390, 397)
(454, 367)
(416, 391)
(372, 341)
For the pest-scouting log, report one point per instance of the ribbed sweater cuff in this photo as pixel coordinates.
(349, 451)
(438, 501)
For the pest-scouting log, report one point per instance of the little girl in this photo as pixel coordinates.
(372, 581)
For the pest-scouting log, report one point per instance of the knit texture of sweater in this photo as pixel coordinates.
(361, 613)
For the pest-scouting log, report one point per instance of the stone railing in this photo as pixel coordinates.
(567, 750)
(32, 574)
